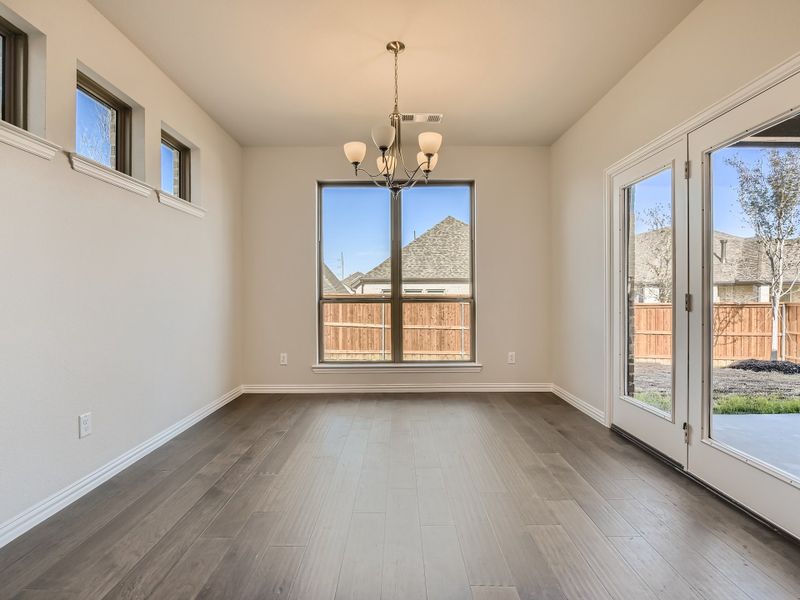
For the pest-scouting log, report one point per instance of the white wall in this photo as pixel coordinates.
(513, 257)
(110, 302)
(719, 47)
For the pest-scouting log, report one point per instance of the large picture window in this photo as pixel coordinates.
(396, 274)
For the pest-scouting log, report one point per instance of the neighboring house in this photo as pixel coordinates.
(741, 269)
(352, 281)
(436, 262)
(332, 285)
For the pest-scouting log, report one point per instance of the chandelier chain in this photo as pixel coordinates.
(395, 82)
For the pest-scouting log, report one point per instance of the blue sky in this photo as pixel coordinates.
(356, 221)
(726, 212)
(167, 180)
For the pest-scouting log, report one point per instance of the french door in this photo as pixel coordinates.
(650, 252)
(706, 303)
(744, 193)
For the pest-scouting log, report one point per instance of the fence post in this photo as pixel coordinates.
(383, 331)
(462, 330)
(783, 331)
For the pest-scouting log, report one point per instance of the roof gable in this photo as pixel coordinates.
(441, 253)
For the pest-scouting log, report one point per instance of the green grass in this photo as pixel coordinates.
(730, 404)
(738, 404)
(657, 400)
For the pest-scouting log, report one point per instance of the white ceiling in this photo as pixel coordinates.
(316, 72)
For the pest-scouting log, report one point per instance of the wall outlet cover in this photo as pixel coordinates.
(84, 425)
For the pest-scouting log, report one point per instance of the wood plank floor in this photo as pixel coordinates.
(482, 496)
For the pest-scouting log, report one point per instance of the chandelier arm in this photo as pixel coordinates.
(415, 173)
(368, 174)
(403, 162)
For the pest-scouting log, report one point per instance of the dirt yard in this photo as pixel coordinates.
(657, 378)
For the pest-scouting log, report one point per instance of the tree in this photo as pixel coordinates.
(769, 196)
(658, 222)
(96, 140)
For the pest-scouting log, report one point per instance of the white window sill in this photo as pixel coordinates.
(180, 204)
(94, 169)
(25, 140)
(469, 367)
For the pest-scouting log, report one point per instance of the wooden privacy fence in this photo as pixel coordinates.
(741, 331)
(435, 331)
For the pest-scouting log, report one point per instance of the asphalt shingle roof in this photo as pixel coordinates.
(441, 253)
(745, 260)
(330, 283)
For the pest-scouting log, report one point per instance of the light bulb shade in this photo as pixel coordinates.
(383, 136)
(430, 142)
(355, 152)
(384, 162)
(422, 161)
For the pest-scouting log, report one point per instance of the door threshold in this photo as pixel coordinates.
(721, 495)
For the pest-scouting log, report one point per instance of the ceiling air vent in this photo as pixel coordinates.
(421, 117)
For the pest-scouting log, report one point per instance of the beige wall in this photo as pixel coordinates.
(513, 256)
(720, 46)
(110, 302)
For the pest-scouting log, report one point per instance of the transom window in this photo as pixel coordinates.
(382, 257)
(13, 74)
(102, 125)
(175, 164)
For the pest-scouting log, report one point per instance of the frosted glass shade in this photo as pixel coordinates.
(383, 163)
(430, 142)
(355, 152)
(422, 161)
(383, 136)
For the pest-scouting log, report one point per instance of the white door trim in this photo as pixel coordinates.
(772, 77)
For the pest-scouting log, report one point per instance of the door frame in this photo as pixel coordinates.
(633, 418)
(777, 75)
(758, 486)
(771, 78)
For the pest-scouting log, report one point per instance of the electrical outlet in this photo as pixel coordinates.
(512, 358)
(85, 425)
(284, 359)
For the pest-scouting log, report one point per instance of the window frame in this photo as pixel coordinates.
(14, 73)
(124, 113)
(184, 164)
(396, 299)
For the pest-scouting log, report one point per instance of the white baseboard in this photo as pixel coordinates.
(583, 406)
(31, 517)
(393, 388)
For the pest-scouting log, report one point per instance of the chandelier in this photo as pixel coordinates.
(392, 170)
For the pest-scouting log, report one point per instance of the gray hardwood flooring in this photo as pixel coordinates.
(482, 496)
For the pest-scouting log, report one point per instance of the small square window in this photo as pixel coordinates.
(102, 126)
(175, 167)
(13, 74)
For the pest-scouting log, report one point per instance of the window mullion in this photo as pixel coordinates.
(397, 283)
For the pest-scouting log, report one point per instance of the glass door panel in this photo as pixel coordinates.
(755, 283)
(651, 277)
(648, 206)
(744, 244)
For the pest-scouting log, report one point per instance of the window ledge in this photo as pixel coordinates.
(168, 199)
(94, 169)
(470, 367)
(25, 140)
